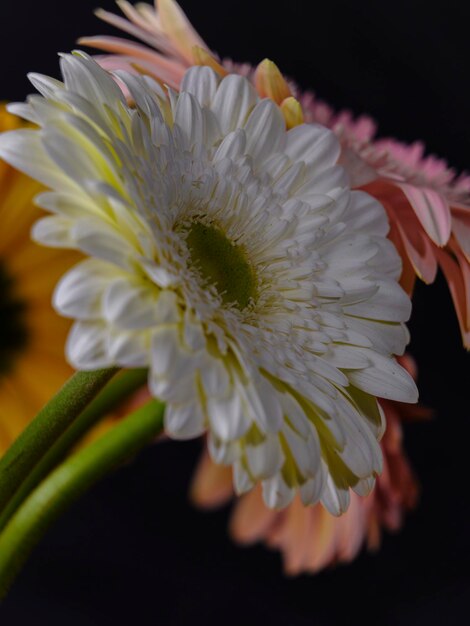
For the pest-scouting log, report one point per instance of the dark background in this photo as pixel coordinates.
(134, 550)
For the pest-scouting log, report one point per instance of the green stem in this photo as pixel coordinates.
(68, 482)
(46, 427)
(117, 390)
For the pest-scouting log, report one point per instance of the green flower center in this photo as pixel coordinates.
(222, 264)
(13, 330)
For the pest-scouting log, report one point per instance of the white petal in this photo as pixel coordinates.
(101, 240)
(129, 305)
(54, 231)
(334, 498)
(189, 117)
(264, 403)
(232, 146)
(364, 486)
(385, 379)
(166, 351)
(233, 102)
(184, 421)
(241, 479)
(228, 416)
(266, 458)
(313, 144)
(306, 452)
(215, 377)
(79, 292)
(24, 150)
(312, 489)
(223, 452)
(264, 130)
(84, 76)
(365, 212)
(202, 83)
(385, 338)
(129, 349)
(86, 346)
(390, 304)
(276, 493)
(46, 85)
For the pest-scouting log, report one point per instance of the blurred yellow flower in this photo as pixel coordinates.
(32, 336)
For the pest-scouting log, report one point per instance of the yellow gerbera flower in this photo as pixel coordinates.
(32, 365)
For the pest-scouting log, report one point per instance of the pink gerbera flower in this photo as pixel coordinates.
(427, 204)
(310, 538)
(429, 211)
(171, 45)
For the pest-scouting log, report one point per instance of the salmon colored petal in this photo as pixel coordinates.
(408, 273)
(138, 26)
(351, 528)
(457, 274)
(111, 63)
(322, 549)
(292, 536)
(420, 252)
(461, 228)
(251, 518)
(162, 66)
(212, 484)
(406, 232)
(179, 29)
(432, 210)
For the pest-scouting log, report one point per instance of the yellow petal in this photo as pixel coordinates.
(292, 112)
(202, 57)
(270, 83)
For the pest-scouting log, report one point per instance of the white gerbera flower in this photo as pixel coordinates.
(231, 258)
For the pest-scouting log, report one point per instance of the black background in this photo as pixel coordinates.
(134, 550)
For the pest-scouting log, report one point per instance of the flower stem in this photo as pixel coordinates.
(46, 427)
(117, 390)
(68, 482)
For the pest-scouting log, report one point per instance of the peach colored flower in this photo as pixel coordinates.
(170, 44)
(310, 538)
(428, 206)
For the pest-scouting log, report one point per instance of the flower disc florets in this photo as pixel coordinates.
(230, 257)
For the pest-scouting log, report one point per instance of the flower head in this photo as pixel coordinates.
(171, 45)
(230, 257)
